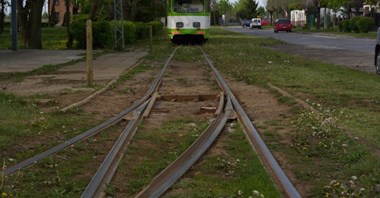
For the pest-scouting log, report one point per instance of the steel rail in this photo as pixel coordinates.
(92, 131)
(183, 163)
(109, 166)
(254, 138)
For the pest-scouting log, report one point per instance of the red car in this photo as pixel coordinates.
(282, 25)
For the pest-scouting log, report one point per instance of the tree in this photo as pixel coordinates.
(261, 11)
(248, 9)
(131, 8)
(70, 38)
(149, 10)
(224, 6)
(29, 17)
(3, 5)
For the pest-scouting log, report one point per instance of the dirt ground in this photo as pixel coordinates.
(262, 109)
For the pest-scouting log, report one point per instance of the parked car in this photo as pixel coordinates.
(283, 24)
(377, 52)
(256, 23)
(246, 23)
(264, 22)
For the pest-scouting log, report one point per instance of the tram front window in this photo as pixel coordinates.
(188, 6)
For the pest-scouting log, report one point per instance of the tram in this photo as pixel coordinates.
(188, 19)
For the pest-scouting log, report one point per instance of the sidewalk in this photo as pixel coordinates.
(105, 68)
(28, 60)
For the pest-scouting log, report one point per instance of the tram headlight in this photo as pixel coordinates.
(179, 25)
(197, 25)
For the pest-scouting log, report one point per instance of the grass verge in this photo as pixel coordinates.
(336, 88)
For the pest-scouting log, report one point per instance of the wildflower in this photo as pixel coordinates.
(354, 178)
(240, 193)
(4, 194)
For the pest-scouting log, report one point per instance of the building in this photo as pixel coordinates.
(298, 17)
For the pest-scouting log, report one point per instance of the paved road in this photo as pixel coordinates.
(321, 41)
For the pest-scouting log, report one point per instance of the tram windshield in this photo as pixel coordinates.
(188, 6)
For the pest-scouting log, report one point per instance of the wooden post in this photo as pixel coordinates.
(90, 71)
(151, 37)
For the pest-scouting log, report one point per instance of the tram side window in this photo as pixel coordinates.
(186, 6)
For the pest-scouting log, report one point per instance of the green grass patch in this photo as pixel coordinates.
(245, 58)
(233, 171)
(336, 32)
(330, 152)
(160, 147)
(53, 38)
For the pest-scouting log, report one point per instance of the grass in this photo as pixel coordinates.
(332, 163)
(166, 144)
(235, 171)
(335, 31)
(338, 89)
(330, 85)
(53, 38)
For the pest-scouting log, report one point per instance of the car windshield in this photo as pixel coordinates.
(283, 21)
(188, 6)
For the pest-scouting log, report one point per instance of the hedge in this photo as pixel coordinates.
(103, 32)
(345, 26)
(353, 23)
(365, 24)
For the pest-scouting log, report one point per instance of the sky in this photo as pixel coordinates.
(262, 3)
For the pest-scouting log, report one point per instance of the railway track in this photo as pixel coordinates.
(228, 107)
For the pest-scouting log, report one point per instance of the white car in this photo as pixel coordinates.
(377, 52)
(256, 23)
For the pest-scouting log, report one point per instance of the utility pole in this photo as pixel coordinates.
(119, 28)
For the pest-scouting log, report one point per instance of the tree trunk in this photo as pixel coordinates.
(132, 7)
(93, 10)
(34, 25)
(69, 42)
(318, 17)
(2, 15)
(49, 13)
(23, 13)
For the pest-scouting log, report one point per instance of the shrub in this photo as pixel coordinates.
(129, 32)
(142, 30)
(102, 34)
(78, 27)
(345, 26)
(353, 23)
(156, 26)
(365, 24)
(103, 31)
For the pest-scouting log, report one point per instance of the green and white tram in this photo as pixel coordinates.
(188, 19)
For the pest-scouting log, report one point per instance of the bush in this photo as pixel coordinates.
(345, 26)
(78, 27)
(156, 26)
(142, 30)
(353, 23)
(365, 24)
(129, 32)
(103, 31)
(102, 34)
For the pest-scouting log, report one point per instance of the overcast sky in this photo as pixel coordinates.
(262, 3)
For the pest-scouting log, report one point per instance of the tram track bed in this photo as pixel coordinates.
(224, 171)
